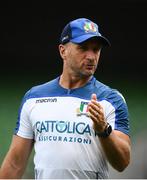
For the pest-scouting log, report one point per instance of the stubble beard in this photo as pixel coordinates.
(85, 74)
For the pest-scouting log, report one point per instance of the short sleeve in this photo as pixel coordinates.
(118, 114)
(23, 124)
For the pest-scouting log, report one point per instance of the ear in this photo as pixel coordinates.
(62, 50)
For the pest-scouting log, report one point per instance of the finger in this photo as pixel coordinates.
(99, 122)
(94, 97)
(96, 106)
(92, 116)
(93, 112)
(97, 114)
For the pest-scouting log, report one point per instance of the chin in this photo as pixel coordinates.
(88, 74)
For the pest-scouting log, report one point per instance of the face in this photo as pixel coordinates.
(81, 59)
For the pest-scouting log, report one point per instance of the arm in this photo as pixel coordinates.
(16, 159)
(117, 145)
(117, 149)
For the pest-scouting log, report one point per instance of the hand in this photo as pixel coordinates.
(96, 113)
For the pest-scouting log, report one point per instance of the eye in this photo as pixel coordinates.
(83, 47)
(96, 49)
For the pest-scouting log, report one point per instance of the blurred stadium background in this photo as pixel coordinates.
(29, 56)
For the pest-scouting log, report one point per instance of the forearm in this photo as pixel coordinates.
(16, 159)
(116, 146)
(117, 150)
(11, 169)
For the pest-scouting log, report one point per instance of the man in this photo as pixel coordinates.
(75, 123)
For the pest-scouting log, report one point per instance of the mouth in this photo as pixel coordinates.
(90, 66)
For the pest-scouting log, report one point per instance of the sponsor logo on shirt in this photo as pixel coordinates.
(63, 127)
(65, 131)
(46, 100)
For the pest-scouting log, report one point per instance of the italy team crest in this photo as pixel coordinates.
(90, 27)
(83, 109)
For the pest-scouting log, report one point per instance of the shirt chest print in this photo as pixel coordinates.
(82, 109)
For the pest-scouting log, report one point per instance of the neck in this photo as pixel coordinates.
(71, 82)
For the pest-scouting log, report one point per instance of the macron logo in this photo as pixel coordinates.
(46, 100)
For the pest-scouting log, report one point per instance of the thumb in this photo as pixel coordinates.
(94, 97)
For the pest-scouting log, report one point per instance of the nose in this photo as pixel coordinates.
(90, 55)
